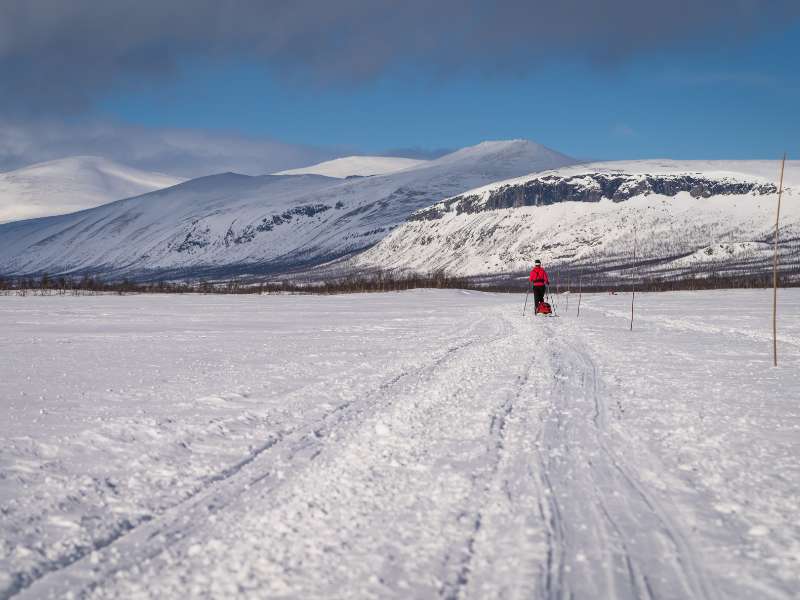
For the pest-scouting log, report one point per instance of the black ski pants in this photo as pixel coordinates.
(538, 295)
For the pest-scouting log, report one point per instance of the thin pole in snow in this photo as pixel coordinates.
(580, 289)
(633, 280)
(526, 300)
(775, 273)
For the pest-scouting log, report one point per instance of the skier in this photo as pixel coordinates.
(539, 280)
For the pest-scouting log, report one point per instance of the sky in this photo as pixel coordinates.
(192, 87)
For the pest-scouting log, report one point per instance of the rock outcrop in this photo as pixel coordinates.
(590, 187)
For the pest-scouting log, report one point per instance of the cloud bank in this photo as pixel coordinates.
(56, 55)
(184, 152)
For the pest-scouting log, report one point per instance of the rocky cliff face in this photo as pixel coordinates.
(591, 187)
(685, 217)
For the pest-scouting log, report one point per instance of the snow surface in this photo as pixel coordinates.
(678, 234)
(361, 166)
(253, 224)
(404, 445)
(65, 185)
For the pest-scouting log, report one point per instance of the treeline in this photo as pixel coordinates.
(683, 282)
(388, 282)
(346, 284)
(86, 285)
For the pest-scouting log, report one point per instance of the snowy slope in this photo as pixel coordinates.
(69, 184)
(230, 223)
(690, 216)
(362, 166)
(426, 444)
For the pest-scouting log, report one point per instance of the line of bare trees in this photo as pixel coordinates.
(351, 283)
(564, 281)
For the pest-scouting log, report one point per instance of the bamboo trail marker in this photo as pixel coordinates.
(775, 272)
(633, 281)
(580, 288)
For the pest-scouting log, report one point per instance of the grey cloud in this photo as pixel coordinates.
(183, 152)
(57, 55)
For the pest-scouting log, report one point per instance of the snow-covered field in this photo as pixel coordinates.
(408, 445)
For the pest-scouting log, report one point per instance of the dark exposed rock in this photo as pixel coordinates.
(247, 235)
(307, 210)
(590, 187)
(195, 238)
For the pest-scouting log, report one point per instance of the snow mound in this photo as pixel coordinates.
(71, 184)
(361, 166)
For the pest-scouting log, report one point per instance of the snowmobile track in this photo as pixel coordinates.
(150, 527)
(454, 589)
(623, 508)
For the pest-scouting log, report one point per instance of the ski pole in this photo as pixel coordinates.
(526, 300)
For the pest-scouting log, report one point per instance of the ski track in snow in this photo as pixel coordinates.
(456, 450)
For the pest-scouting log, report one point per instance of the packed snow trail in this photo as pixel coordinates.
(425, 444)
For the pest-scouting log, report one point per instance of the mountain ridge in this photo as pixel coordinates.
(271, 223)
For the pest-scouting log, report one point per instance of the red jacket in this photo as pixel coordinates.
(539, 277)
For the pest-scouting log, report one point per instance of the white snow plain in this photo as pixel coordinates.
(403, 445)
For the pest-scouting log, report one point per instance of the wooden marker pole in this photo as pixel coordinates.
(775, 272)
(633, 281)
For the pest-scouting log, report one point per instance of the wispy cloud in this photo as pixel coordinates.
(184, 152)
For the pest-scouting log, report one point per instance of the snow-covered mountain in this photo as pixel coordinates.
(69, 184)
(361, 166)
(709, 216)
(235, 224)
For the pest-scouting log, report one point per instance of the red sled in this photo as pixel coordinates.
(543, 308)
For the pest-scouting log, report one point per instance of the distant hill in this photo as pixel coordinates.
(690, 217)
(70, 184)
